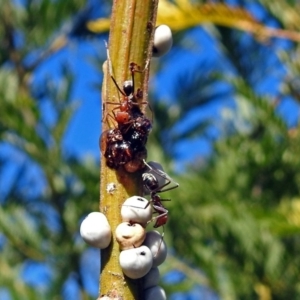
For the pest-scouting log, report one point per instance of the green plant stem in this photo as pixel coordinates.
(130, 40)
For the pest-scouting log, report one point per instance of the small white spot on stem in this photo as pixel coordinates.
(111, 187)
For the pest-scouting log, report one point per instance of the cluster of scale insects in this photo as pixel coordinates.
(124, 145)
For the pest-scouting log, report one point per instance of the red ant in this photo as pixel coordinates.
(155, 181)
(129, 108)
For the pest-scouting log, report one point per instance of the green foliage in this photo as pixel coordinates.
(234, 216)
(56, 193)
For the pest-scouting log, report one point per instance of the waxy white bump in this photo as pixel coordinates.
(136, 209)
(163, 40)
(157, 245)
(95, 230)
(155, 292)
(136, 262)
(130, 235)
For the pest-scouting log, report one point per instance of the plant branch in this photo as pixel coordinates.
(130, 40)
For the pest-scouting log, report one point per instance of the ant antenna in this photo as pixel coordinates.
(110, 70)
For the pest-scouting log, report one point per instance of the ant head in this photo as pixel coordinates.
(128, 87)
(150, 183)
(156, 180)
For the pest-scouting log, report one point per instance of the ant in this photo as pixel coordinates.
(155, 181)
(129, 109)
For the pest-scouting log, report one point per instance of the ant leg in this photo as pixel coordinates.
(133, 67)
(139, 96)
(112, 117)
(176, 185)
(136, 68)
(165, 199)
(113, 103)
(162, 217)
(150, 108)
(110, 70)
(134, 206)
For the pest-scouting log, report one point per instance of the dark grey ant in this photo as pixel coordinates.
(156, 181)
